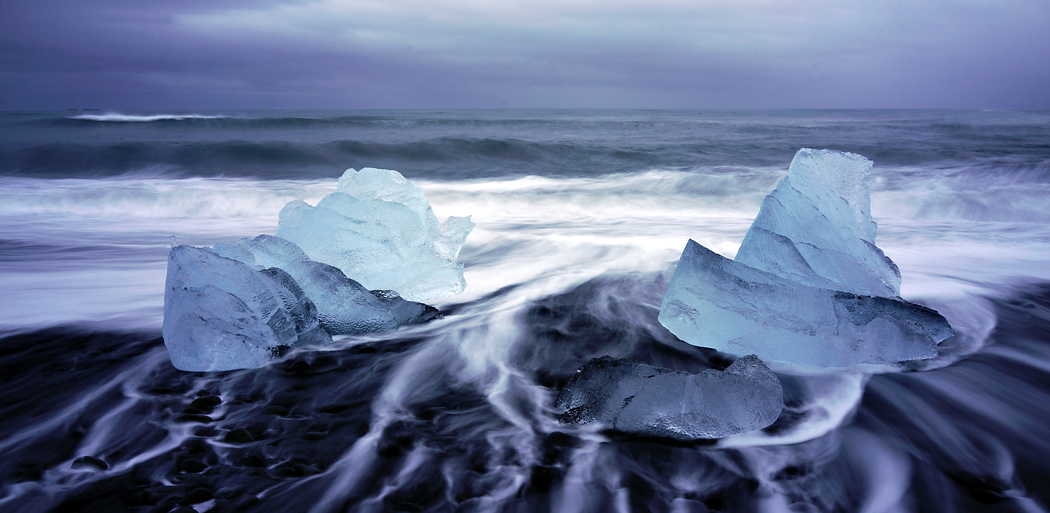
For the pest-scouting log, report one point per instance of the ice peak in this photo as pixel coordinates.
(808, 287)
(379, 230)
(816, 227)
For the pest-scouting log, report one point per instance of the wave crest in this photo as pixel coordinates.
(116, 117)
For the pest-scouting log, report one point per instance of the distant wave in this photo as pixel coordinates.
(451, 157)
(144, 196)
(371, 121)
(135, 118)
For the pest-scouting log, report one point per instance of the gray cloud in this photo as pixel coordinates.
(455, 53)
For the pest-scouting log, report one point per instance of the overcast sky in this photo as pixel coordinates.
(216, 54)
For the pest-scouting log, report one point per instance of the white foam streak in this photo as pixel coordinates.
(563, 232)
(79, 250)
(413, 462)
(102, 432)
(830, 400)
(412, 374)
(585, 468)
(349, 470)
(135, 198)
(116, 117)
(888, 473)
(468, 352)
(88, 397)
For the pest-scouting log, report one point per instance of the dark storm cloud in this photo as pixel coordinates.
(449, 53)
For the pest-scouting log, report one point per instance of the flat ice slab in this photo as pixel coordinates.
(725, 305)
(220, 314)
(640, 399)
(379, 230)
(808, 287)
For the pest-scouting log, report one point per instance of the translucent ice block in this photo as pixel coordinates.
(378, 228)
(220, 314)
(640, 399)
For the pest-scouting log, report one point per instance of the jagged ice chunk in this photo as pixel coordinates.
(808, 286)
(379, 230)
(220, 314)
(343, 305)
(815, 228)
(722, 304)
(640, 399)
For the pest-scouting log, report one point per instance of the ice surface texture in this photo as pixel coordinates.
(238, 304)
(808, 286)
(343, 305)
(380, 231)
(719, 303)
(639, 399)
(220, 314)
(815, 228)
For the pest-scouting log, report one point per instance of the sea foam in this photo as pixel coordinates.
(115, 117)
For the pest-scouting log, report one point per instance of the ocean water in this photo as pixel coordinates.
(581, 217)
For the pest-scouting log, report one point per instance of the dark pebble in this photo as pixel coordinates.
(205, 432)
(246, 503)
(206, 403)
(239, 436)
(90, 462)
(197, 496)
(162, 391)
(187, 417)
(313, 435)
(287, 472)
(192, 466)
(305, 470)
(300, 367)
(251, 461)
(544, 477)
(184, 509)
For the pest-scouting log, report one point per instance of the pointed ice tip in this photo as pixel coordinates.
(816, 227)
(171, 240)
(846, 174)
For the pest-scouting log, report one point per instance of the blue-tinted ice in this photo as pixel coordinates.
(237, 305)
(640, 399)
(808, 287)
(378, 228)
(719, 303)
(220, 314)
(815, 228)
(343, 305)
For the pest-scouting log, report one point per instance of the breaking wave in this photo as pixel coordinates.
(115, 117)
